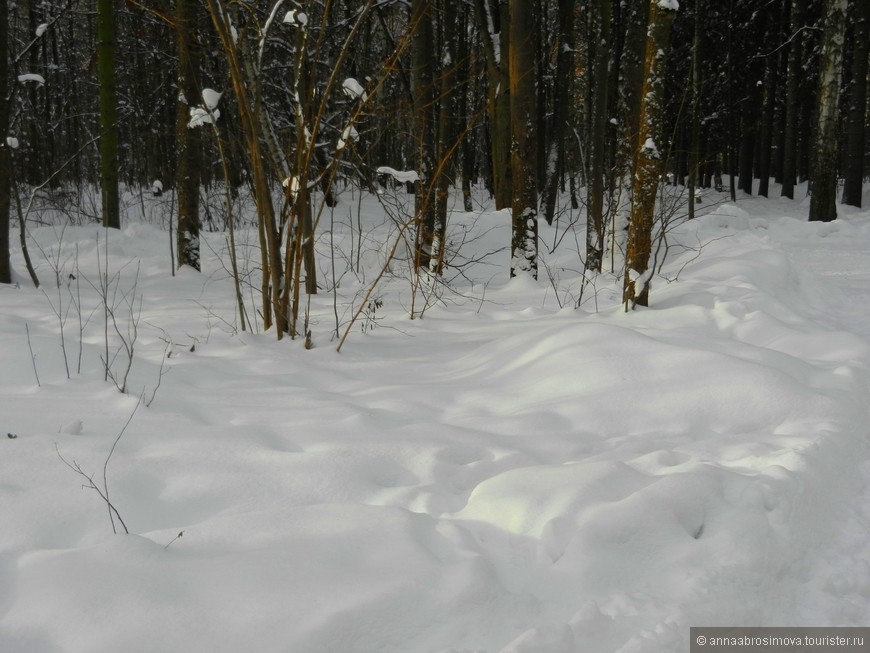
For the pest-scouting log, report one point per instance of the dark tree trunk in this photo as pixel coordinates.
(857, 106)
(766, 131)
(695, 114)
(108, 113)
(823, 202)
(493, 21)
(524, 121)
(595, 216)
(5, 157)
(792, 100)
(189, 140)
(561, 109)
(423, 91)
(645, 180)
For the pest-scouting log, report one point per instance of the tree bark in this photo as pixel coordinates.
(595, 216)
(5, 157)
(108, 113)
(423, 97)
(857, 106)
(695, 128)
(823, 202)
(189, 140)
(524, 121)
(792, 100)
(493, 19)
(648, 169)
(561, 109)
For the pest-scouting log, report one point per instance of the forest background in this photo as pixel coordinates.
(288, 103)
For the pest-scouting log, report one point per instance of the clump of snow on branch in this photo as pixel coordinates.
(12, 142)
(40, 30)
(354, 89)
(296, 17)
(649, 147)
(402, 176)
(207, 113)
(32, 77)
(349, 134)
(673, 5)
(292, 183)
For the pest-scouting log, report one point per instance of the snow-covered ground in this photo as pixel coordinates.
(508, 474)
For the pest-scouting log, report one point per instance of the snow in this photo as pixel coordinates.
(296, 17)
(12, 142)
(210, 98)
(32, 77)
(508, 474)
(354, 89)
(208, 113)
(40, 29)
(649, 146)
(401, 176)
(672, 5)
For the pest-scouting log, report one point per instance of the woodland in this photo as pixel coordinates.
(598, 105)
(432, 326)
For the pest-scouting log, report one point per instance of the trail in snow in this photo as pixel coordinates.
(837, 593)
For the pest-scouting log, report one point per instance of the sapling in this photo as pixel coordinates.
(103, 491)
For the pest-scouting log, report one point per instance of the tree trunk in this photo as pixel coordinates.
(595, 215)
(792, 100)
(649, 159)
(561, 109)
(188, 140)
(765, 138)
(108, 113)
(857, 106)
(493, 18)
(524, 121)
(267, 230)
(5, 157)
(695, 129)
(823, 203)
(423, 97)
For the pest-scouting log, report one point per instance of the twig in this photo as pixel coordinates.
(105, 494)
(32, 355)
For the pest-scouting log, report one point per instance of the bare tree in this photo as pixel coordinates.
(857, 105)
(823, 203)
(189, 145)
(524, 121)
(5, 158)
(108, 113)
(649, 166)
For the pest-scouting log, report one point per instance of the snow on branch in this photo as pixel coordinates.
(402, 176)
(354, 89)
(208, 113)
(296, 17)
(32, 77)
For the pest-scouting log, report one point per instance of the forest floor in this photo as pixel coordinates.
(527, 467)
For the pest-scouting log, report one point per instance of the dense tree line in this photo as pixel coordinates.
(598, 101)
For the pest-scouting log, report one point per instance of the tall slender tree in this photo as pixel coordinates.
(649, 166)
(189, 168)
(595, 211)
(857, 105)
(561, 107)
(423, 96)
(108, 113)
(792, 99)
(524, 121)
(493, 18)
(5, 158)
(823, 203)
